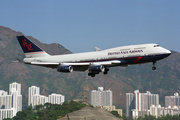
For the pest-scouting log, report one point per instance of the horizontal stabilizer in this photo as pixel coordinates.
(97, 49)
(19, 60)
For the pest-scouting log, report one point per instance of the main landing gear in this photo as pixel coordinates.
(154, 67)
(106, 71)
(93, 74)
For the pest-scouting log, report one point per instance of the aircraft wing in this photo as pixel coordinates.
(81, 66)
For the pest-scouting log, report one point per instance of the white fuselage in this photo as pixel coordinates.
(104, 55)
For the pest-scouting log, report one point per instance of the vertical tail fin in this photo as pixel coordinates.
(30, 49)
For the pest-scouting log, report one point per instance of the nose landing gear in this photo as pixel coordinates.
(154, 67)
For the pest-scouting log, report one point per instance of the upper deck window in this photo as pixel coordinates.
(140, 48)
(156, 45)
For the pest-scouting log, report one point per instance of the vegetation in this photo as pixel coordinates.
(115, 113)
(48, 111)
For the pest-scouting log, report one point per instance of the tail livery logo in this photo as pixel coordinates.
(25, 44)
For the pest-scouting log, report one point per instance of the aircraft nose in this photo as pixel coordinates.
(168, 52)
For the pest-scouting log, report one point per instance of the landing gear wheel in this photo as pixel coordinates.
(106, 71)
(91, 74)
(153, 68)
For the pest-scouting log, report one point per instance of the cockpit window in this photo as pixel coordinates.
(156, 45)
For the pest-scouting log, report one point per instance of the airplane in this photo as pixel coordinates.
(96, 61)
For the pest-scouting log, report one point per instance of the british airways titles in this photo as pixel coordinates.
(125, 52)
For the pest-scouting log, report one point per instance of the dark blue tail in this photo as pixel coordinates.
(30, 48)
(27, 45)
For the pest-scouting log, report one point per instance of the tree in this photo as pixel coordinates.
(115, 113)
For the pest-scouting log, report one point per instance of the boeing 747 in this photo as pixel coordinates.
(95, 62)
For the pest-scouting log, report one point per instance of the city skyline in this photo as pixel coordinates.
(11, 103)
(141, 104)
(137, 104)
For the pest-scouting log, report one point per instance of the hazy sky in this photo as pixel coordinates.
(79, 25)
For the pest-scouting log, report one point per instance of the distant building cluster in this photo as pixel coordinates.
(34, 97)
(12, 103)
(141, 104)
(138, 104)
(103, 99)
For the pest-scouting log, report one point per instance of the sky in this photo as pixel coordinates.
(79, 25)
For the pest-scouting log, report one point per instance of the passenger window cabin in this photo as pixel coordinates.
(156, 45)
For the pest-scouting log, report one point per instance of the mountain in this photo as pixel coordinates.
(77, 85)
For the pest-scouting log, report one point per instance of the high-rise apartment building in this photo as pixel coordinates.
(15, 87)
(156, 110)
(7, 113)
(56, 98)
(100, 97)
(38, 99)
(153, 99)
(130, 103)
(172, 100)
(15, 91)
(12, 103)
(33, 90)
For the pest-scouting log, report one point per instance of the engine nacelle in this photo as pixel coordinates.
(96, 68)
(65, 68)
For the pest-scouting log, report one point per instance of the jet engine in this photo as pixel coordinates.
(96, 68)
(65, 68)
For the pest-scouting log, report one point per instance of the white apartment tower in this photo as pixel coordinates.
(7, 113)
(15, 91)
(100, 97)
(130, 103)
(38, 99)
(33, 90)
(5, 100)
(56, 98)
(14, 87)
(172, 100)
(12, 103)
(153, 99)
